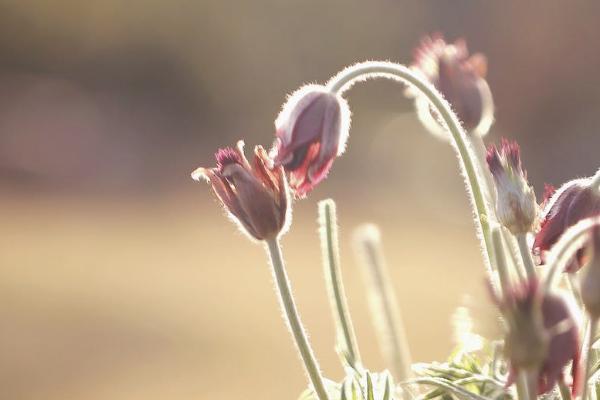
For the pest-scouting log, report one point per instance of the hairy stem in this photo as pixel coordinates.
(501, 262)
(467, 160)
(588, 358)
(347, 345)
(565, 248)
(383, 302)
(526, 256)
(293, 319)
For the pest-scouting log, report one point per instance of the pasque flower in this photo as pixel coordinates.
(516, 207)
(542, 335)
(254, 195)
(460, 77)
(311, 131)
(573, 202)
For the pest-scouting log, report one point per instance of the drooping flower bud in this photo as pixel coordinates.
(574, 201)
(590, 283)
(311, 131)
(460, 78)
(255, 196)
(542, 335)
(516, 207)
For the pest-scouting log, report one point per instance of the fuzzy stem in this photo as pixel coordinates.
(565, 392)
(293, 319)
(526, 256)
(501, 263)
(467, 160)
(588, 359)
(383, 302)
(596, 181)
(523, 388)
(566, 246)
(347, 345)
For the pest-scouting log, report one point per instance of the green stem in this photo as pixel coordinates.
(526, 256)
(382, 300)
(588, 358)
(565, 392)
(371, 69)
(293, 319)
(347, 346)
(565, 248)
(501, 263)
(595, 184)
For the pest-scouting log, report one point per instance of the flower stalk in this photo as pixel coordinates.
(593, 327)
(467, 160)
(526, 255)
(293, 319)
(347, 344)
(382, 299)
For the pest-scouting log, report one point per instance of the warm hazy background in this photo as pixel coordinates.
(119, 277)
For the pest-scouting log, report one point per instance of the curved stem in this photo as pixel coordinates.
(596, 181)
(588, 359)
(293, 319)
(371, 69)
(526, 256)
(347, 346)
(566, 246)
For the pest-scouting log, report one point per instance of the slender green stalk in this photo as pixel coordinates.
(526, 256)
(588, 358)
(467, 160)
(565, 248)
(595, 184)
(347, 345)
(501, 264)
(293, 319)
(383, 302)
(565, 392)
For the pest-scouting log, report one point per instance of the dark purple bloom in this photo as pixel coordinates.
(574, 201)
(311, 131)
(460, 77)
(542, 335)
(254, 195)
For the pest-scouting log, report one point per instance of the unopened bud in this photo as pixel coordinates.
(516, 207)
(311, 131)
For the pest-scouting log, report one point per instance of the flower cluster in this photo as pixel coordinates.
(542, 338)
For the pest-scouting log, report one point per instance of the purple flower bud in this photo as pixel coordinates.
(311, 131)
(255, 196)
(542, 335)
(590, 282)
(459, 77)
(516, 207)
(574, 201)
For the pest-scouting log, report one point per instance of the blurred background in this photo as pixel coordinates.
(119, 276)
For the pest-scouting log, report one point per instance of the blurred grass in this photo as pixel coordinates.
(124, 299)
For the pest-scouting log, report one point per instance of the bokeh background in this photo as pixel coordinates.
(119, 276)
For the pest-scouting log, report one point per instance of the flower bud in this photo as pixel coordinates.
(311, 131)
(255, 196)
(460, 78)
(516, 207)
(590, 283)
(574, 201)
(542, 335)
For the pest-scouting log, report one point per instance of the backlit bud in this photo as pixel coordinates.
(311, 131)
(590, 283)
(574, 201)
(255, 196)
(460, 78)
(516, 207)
